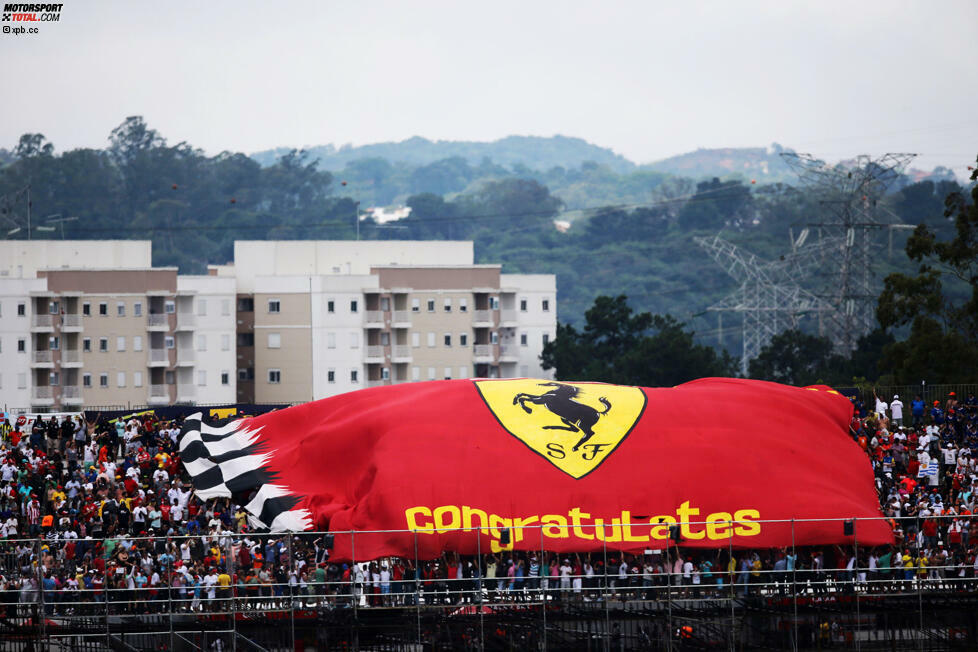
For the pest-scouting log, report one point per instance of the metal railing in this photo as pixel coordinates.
(42, 321)
(42, 357)
(278, 589)
(156, 321)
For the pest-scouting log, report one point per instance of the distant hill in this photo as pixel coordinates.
(760, 163)
(533, 152)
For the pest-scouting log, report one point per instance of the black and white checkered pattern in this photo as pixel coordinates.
(231, 459)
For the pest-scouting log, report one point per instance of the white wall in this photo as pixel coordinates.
(341, 324)
(534, 322)
(253, 258)
(218, 295)
(12, 328)
(22, 258)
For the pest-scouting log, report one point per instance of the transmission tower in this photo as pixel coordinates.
(850, 191)
(769, 298)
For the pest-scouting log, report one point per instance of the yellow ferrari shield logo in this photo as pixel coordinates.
(574, 426)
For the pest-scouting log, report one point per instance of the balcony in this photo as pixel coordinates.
(71, 358)
(186, 393)
(42, 358)
(158, 358)
(157, 323)
(373, 319)
(508, 318)
(71, 324)
(483, 353)
(186, 357)
(159, 394)
(43, 395)
(401, 319)
(42, 323)
(71, 395)
(186, 321)
(378, 383)
(509, 353)
(400, 353)
(375, 353)
(482, 318)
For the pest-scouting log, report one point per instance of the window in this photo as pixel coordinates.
(246, 373)
(103, 309)
(246, 304)
(274, 307)
(385, 304)
(120, 379)
(463, 372)
(103, 380)
(120, 309)
(415, 373)
(274, 376)
(21, 381)
(169, 378)
(494, 338)
(52, 307)
(546, 339)
(103, 344)
(354, 340)
(54, 379)
(448, 373)
(137, 379)
(431, 305)
(87, 344)
(353, 306)
(448, 305)
(169, 342)
(202, 342)
(201, 307)
(546, 305)
(431, 339)
(463, 305)
(522, 339)
(169, 307)
(448, 339)
(202, 377)
(330, 306)
(21, 345)
(225, 307)
(493, 303)
(54, 343)
(21, 310)
(522, 305)
(415, 305)
(225, 377)
(225, 342)
(331, 376)
(354, 375)
(120, 343)
(432, 372)
(385, 339)
(415, 340)
(385, 373)
(330, 340)
(137, 342)
(87, 309)
(274, 340)
(86, 380)
(137, 309)
(463, 339)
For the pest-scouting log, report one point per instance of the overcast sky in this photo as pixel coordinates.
(647, 79)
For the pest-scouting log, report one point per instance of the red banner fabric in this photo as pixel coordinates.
(549, 465)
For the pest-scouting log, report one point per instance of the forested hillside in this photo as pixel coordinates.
(631, 233)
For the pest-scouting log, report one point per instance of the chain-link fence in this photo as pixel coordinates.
(283, 591)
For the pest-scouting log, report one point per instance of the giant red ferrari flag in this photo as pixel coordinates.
(486, 465)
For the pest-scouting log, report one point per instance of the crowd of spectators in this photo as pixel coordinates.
(96, 511)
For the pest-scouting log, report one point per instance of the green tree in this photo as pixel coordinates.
(939, 303)
(622, 347)
(796, 358)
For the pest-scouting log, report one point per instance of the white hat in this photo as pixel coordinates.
(896, 396)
